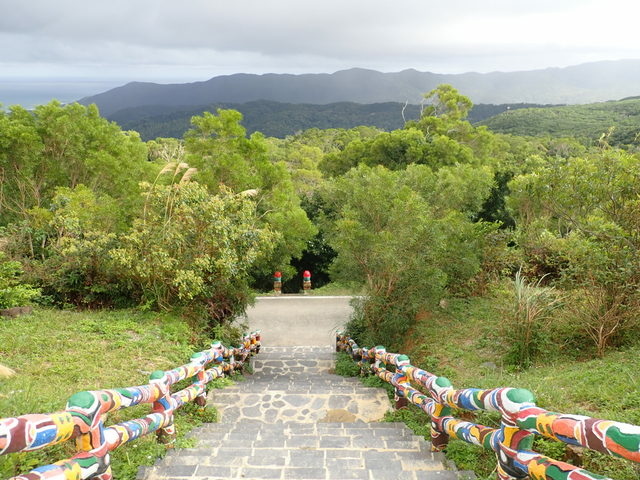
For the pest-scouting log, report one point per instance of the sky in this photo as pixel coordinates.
(98, 42)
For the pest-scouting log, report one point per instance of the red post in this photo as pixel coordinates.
(306, 281)
(277, 283)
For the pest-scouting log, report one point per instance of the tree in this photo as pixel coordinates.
(65, 146)
(579, 219)
(447, 103)
(225, 158)
(395, 233)
(192, 247)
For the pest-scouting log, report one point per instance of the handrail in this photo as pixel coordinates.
(520, 420)
(86, 412)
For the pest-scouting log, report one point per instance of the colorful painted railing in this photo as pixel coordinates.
(520, 421)
(85, 415)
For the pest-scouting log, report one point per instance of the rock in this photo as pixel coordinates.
(489, 365)
(16, 311)
(444, 303)
(6, 372)
(574, 454)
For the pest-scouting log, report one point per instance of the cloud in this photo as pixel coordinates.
(287, 35)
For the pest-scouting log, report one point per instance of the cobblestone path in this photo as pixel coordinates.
(293, 419)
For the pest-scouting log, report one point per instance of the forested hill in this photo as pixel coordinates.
(580, 121)
(591, 82)
(276, 119)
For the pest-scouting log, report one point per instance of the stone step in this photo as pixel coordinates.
(293, 419)
(256, 428)
(305, 451)
(338, 469)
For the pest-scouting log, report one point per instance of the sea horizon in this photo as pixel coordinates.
(30, 93)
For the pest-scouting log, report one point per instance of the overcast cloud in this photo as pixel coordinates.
(159, 40)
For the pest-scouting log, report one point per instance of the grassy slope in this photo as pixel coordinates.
(579, 121)
(456, 342)
(58, 353)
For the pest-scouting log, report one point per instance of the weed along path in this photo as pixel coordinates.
(294, 419)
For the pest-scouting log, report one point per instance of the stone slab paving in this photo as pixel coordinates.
(295, 384)
(294, 419)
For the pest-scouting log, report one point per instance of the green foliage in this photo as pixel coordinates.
(68, 145)
(224, 158)
(66, 248)
(13, 293)
(345, 366)
(110, 349)
(445, 102)
(274, 119)
(579, 221)
(191, 247)
(528, 319)
(380, 234)
(397, 233)
(395, 150)
(584, 122)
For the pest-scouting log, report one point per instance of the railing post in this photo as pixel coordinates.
(401, 400)
(88, 410)
(167, 434)
(439, 438)
(257, 341)
(365, 362)
(201, 399)
(512, 438)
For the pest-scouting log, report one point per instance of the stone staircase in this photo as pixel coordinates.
(293, 419)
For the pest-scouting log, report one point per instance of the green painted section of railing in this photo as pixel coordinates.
(521, 419)
(86, 413)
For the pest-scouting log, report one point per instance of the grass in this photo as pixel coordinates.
(58, 353)
(334, 289)
(463, 343)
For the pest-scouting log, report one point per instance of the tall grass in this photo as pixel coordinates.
(527, 322)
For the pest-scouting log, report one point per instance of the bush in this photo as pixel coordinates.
(605, 316)
(191, 247)
(346, 366)
(12, 292)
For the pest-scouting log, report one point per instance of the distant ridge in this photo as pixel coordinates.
(276, 119)
(585, 122)
(590, 82)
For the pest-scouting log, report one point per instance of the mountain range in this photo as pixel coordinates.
(589, 82)
(278, 119)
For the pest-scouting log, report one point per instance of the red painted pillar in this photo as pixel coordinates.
(306, 281)
(277, 283)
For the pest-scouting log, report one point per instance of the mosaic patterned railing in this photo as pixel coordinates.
(520, 421)
(85, 415)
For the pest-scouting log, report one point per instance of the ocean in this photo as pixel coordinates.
(30, 93)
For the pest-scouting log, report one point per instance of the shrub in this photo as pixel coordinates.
(191, 247)
(606, 315)
(527, 320)
(12, 292)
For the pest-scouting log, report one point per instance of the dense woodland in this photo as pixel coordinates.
(94, 217)
(277, 119)
(617, 120)
(98, 218)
